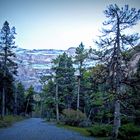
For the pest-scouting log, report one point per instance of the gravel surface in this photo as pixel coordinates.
(36, 129)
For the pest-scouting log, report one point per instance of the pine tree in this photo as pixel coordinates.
(64, 78)
(7, 45)
(48, 93)
(80, 57)
(113, 42)
(20, 91)
(29, 100)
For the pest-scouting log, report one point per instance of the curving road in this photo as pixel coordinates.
(36, 129)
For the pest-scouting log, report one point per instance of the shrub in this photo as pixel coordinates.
(130, 132)
(2, 124)
(100, 130)
(73, 117)
(9, 120)
(85, 123)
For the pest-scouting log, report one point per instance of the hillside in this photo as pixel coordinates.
(34, 63)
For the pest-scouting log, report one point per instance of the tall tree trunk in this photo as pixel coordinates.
(118, 79)
(3, 102)
(78, 93)
(26, 109)
(15, 104)
(41, 112)
(88, 118)
(3, 90)
(117, 120)
(4, 76)
(57, 105)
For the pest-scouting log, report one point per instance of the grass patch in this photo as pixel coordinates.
(100, 130)
(9, 120)
(80, 130)
(84, 131)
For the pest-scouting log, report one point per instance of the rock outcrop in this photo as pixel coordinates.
(134, 59)
(32, 64)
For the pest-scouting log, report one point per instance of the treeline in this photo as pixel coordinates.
(108, 92)
(14, 99)
(85, 98)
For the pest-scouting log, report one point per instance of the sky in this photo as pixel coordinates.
(57, 24)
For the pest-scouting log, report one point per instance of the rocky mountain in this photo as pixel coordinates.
(34, 63)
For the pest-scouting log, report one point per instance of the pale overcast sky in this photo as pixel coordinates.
(57, 24)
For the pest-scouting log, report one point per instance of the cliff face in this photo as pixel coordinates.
(34, 63)
(135, 57)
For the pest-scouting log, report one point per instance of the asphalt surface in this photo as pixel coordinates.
(36, 129)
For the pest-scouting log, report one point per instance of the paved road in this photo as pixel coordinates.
(36, 129)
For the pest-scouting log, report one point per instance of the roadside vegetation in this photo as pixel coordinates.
(102, 100)
(9, 120)
(103, 132)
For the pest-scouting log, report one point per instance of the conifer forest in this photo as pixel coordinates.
(95, 91)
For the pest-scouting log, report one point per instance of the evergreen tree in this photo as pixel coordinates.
(80, 57)
(10, 94)
(29, 103)
(20, 91)
(48, 93)
(64, 79)
(7, 45)
(94, 91)
(113, 42)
